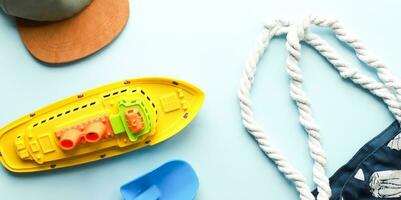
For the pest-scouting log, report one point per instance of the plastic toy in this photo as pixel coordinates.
(175, 180)
(103, 122)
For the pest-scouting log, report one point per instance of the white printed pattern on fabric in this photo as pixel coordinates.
(296, 33)
(386, 184)
(395, 143)
(359, 175)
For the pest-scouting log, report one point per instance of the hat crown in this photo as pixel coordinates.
(43, 10)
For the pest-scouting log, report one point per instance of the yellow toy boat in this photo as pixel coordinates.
(103, 122)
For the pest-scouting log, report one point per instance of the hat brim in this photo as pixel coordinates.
(77, 37)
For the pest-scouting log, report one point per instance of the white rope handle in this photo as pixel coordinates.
(384, 74)
(273, 29)
(355, 75)
(297, 33)
(306, 119)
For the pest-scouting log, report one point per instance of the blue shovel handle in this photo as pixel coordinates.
(152, 193)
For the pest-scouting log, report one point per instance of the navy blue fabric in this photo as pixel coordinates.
(372, 157)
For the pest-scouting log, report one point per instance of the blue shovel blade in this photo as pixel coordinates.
(175, 180)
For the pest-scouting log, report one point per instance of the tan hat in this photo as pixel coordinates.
(94, 24)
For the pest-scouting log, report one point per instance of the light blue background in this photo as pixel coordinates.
(207, 43)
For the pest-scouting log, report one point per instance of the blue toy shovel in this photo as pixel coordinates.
(175, 180)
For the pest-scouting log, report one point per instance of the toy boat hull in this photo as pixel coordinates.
(107, 121)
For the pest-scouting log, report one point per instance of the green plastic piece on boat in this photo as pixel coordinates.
(120, 124)
(117, 124)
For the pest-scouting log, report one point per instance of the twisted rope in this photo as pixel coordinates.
(295, 34)
(384, 74)
(354, 75)
(306, 119)
(273, 28)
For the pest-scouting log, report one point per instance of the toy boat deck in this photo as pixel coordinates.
(103, 122)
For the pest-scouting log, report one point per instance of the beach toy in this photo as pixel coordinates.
(99, 123)
(175, 180)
